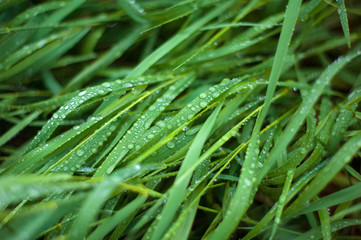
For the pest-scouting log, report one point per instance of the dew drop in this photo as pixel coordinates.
(106, 84)
(81, 93)
(215, 95)
(79, 152)
(203, 104)
(128, 85)
(170, 144)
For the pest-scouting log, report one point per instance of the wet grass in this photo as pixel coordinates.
(180, 119)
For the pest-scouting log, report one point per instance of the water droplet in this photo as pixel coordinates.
(170, 144)
(79, 152)
(128, 85)
(81, 93)
(160, 124)
(226, 81)
(247, 182)
(215, 95)
(106, 84)
(203, 104)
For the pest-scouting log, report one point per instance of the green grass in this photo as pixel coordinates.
(150, 119)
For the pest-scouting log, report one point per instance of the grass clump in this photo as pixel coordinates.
(180, 119)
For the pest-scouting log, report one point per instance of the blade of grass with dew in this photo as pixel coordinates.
(34, 11)
(134, 11)
(324, 216)
(339, 160)
(306, 146)
(282, 202)
(177, 192)
(339, 215)
(204, 156)
(83, 151)
(241, 199)
(182, 227)
(305, 108)
(83, 96)
(176, 123)
(129, 140)
(73, 160)
(316, 233)
(46, 105)
(344, 195)
(296, 187)
(44, 149)
(341, 10)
